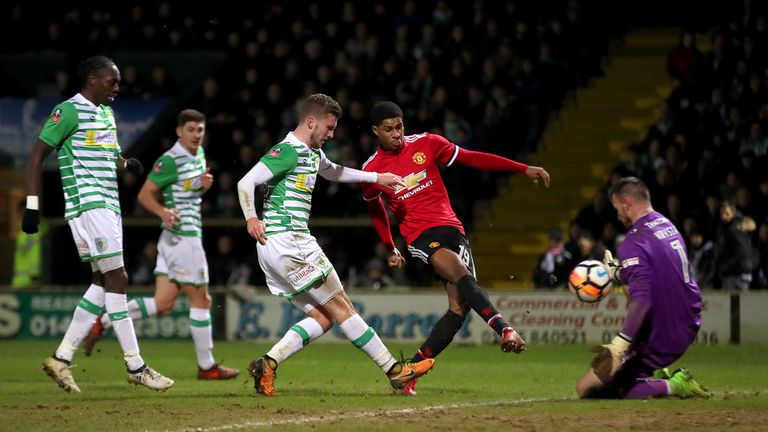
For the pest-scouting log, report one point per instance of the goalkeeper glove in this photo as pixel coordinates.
(134, 167)
(613, 266)
(610, 356)
(31, 215)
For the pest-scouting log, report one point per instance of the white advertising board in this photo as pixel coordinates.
(549, 318)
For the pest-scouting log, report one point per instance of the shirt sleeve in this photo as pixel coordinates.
(61, 124)
(338, 173)
(164, 172)
(444, 150)
(636, 271)
(258, 175)
(280, 159)
(370, 192)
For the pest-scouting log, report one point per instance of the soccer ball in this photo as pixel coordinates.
(590, 281)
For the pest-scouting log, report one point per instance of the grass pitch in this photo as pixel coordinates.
(335, 387)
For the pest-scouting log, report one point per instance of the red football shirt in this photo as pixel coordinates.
(423, 203)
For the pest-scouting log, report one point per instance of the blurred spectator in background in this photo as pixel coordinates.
(686, 64)
(702, 257)
(589, 248)
(595, 215)
(734, 255)
(144, 267)
(224, 263)
(552, 269)
(761, 270)
(376, 272)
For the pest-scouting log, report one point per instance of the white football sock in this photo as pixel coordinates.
(83, 318)
(365, 338)
(202, 335)
(296, 338)
(117, 309)
(138, 309)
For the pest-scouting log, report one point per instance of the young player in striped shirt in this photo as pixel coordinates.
(173, 192)
(295, 266)
(83, 131)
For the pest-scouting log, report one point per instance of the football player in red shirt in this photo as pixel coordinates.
(429, 225)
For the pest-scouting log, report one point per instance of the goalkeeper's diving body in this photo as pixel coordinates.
(664, 312)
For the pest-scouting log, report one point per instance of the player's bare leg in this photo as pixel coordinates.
(589, 385)
(449, 266)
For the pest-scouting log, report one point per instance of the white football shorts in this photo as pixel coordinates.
(98, 234)
(293, 264)
(182, 259)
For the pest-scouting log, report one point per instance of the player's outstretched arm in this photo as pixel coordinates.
(343, 174)
(538, 174)
(389, 180)
(492, 162)
(31, 220)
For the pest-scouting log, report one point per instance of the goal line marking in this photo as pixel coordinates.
(334, 416)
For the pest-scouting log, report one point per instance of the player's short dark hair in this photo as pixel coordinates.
(318, 105)
(385, 110)
(189, 115)
(91, 65)
(630, 186)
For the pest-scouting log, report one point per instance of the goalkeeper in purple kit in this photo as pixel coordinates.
(664, 312)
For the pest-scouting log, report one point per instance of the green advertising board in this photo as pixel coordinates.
(30, 315)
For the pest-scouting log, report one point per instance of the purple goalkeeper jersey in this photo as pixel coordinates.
(655, 267)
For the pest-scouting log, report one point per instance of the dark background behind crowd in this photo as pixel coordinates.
(705, 160)
(487, 75)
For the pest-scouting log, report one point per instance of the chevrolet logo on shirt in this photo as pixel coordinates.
(411, 181)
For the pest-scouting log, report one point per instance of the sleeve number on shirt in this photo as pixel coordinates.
(676, 245)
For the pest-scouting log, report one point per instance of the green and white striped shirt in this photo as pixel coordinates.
(85, 136)
(288, 198)
(178, 174)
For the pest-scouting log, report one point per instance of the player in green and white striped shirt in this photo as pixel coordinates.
(181, 177)
(294, 264)
(83, 131)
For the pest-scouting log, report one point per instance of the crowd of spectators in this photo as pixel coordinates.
(485, 74)
(705, 160)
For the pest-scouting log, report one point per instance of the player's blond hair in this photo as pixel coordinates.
(318, 105)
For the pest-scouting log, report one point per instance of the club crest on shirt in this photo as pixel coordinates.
(275, 152)
(56, 115)
(434, 245)
(419, 158)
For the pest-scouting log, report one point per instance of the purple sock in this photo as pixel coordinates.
(648, 388)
